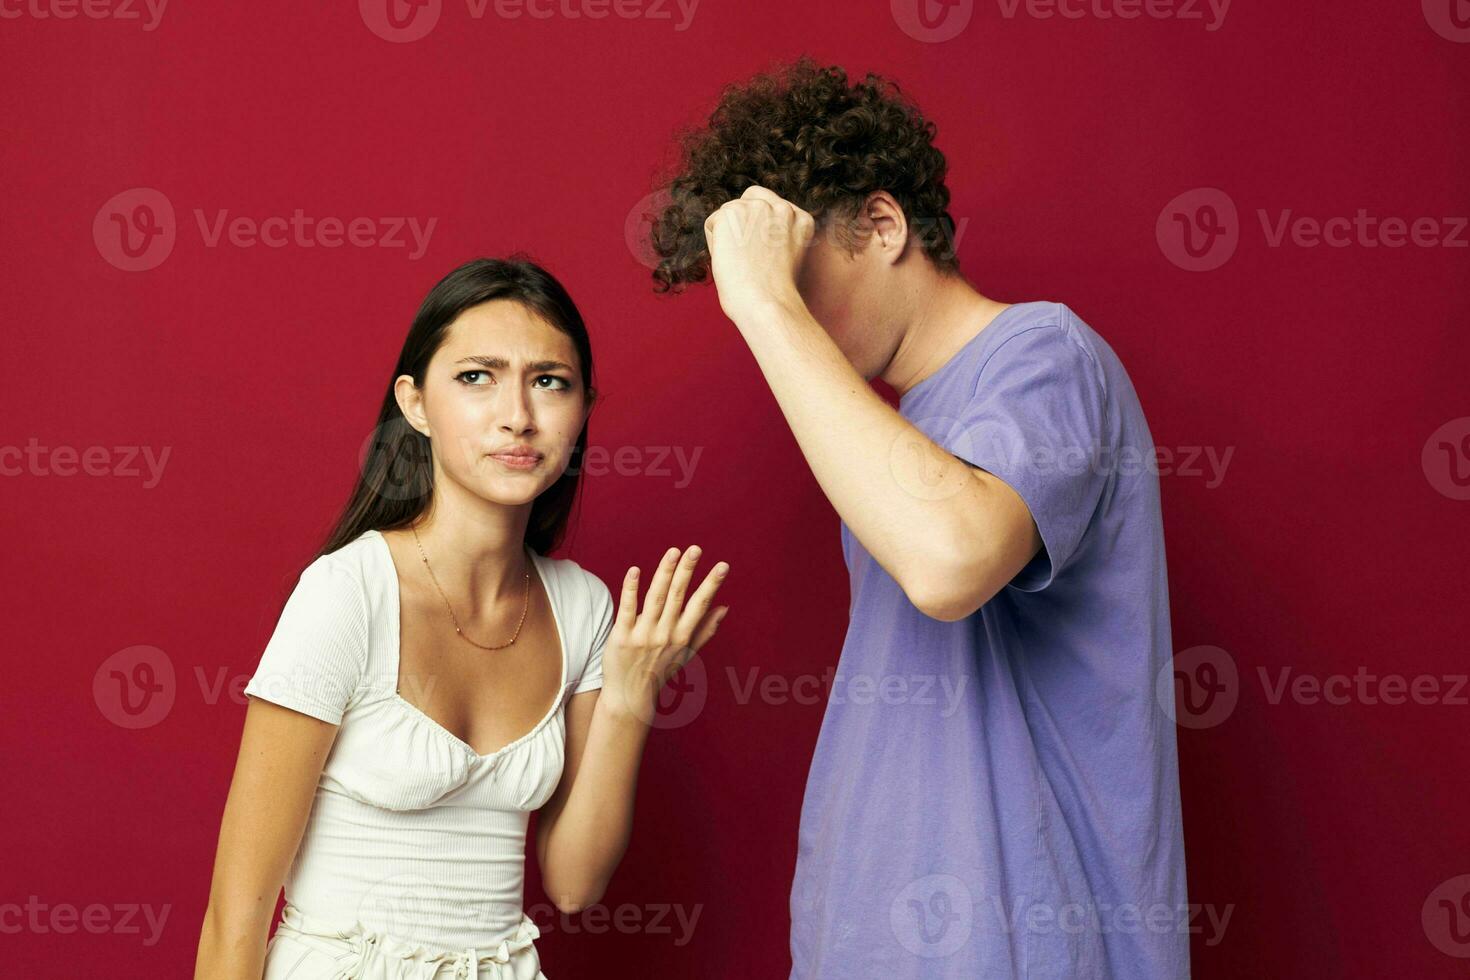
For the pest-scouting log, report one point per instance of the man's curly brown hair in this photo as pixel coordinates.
(821, 143)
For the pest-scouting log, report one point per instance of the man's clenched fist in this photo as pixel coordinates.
(756, 244)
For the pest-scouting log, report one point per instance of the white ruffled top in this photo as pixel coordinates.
(413, 833)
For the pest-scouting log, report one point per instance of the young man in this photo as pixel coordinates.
(1005, 802)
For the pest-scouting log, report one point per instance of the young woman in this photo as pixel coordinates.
(434, 677)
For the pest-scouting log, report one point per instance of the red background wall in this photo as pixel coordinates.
(1333, 834)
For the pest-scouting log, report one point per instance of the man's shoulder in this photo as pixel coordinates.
(1045, 331)
(1043, 322)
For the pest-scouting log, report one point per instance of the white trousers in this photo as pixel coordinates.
(305, 948)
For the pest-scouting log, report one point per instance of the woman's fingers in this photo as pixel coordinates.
(627, 602)
(666, 617)
(678, 588)
(699, 603)
(658, 590)
(703, 634)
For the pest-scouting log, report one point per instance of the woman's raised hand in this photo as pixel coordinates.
(647, 648)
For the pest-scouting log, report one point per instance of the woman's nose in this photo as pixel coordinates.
(517, 415)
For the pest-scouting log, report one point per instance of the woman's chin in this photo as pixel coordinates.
(514, 491)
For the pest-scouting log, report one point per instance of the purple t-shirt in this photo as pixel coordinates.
(998, 798)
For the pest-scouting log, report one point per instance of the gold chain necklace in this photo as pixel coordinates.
(526, 603)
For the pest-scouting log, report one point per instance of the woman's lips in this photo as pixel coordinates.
(517, 462)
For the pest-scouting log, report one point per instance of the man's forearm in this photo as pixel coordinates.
(906, 499)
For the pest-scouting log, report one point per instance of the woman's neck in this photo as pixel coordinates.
(478, 557)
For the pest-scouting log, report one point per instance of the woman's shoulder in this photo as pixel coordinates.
(347, 583)
(359, 554)
(587, 615)
(335, 583)
(578, 585)
(359, 564)
(318, 653)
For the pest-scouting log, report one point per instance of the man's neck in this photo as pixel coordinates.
(941, 316)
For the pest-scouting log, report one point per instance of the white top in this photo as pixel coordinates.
(412, 832)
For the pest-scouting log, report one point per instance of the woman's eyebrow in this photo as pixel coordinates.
(501, 364)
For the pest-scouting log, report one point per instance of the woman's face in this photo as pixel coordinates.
(503, 379)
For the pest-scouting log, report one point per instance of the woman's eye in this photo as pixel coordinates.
(563, 383)
(465, 376)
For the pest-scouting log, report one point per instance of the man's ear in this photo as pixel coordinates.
(889, 225)
(411, 402)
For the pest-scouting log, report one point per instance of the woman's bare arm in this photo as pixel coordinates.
(281, 757)
(605, 778)
(582, 832)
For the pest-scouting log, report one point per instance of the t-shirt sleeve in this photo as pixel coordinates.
(602, 620)
(317, 656)
(1037, 421)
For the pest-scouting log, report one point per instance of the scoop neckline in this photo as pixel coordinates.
(397, 608)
